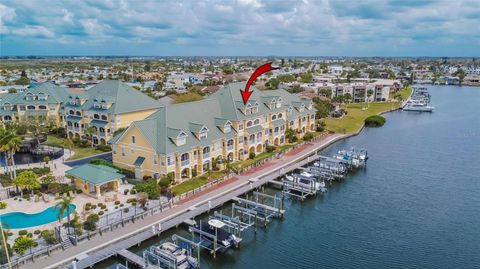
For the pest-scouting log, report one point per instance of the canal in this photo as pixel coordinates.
(416, 205)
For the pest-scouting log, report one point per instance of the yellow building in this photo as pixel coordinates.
(187, 137)
(106, 107)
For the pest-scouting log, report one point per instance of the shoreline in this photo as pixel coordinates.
(198, 202)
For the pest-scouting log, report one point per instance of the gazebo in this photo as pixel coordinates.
(95, 179)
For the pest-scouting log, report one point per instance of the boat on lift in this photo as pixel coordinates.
(176, 255)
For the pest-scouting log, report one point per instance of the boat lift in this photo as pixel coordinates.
(206, 240)
(299, 190)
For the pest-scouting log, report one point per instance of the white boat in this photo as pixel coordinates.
(306, 182)
(177, 255)
(418, 107)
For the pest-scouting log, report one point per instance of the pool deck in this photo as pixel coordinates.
(59, 259)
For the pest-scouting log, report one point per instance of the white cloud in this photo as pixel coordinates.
(34, 31)
(6, 14)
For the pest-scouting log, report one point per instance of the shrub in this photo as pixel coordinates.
(89, 226)
(79, 191)
(94, 206)
(104, 148)
(150, 187)
(100, 213)
(26, 196)
(36, 232)
(121, 205)
(270, 148)
(22, 244)
(22, 232)
(131, 200)
(49, 237)
(133, 191)
(251, 155)
(165, 181)
(93, 218)
(126, 210)
(375, 121)
(117, 202)
(3, 205)
(308, 136)
(126, 191)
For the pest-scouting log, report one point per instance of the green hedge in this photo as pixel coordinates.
(375, 121)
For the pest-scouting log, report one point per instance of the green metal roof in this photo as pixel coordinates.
(254, 129)
(124, 99)
(162, 127)
(95, 174)
(278, 122)
(73, 118)
(98, 123)
(139, 161)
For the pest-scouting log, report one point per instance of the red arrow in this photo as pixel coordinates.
(258, 72)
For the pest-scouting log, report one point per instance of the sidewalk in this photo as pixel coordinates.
(57, 259)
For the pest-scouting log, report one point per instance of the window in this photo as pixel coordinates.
(256, 122)
(96, 116)
(312, 116)
(202, 135)
(280, 115)
(31, 107)
(291, 123)
(22, 108)
(52, 108)
(123, 151)
(249, 123)
(104, 117)
(274, 117)
(104, 104)
(169, 160)
(78, 113)
(155, 161)
(42, 107)
(240, 126)
(114, 150)
(227, 128)
(133, 139)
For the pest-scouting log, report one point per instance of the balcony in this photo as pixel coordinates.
(185, 162)
(77, 129)
(230, 147)
(102, 134)
(206, 155)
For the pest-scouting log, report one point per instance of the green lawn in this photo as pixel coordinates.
(355, 118)
(78, 151)
(247, 162)
(186, 97)
(196, 182)
(404, 93)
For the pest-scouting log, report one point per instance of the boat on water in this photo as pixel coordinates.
(421, 107)
(419, 101)
(176, 255)
(355, 157)
(224, 238)
(306, 181)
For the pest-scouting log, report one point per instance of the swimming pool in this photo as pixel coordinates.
(19, 220)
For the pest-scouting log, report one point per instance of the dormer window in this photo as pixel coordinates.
(71, 101)
(181, 139)
(278, 103)
(77, 101)
(96, 104)
(7, 106)
(227, 128)
(41, 96)
(202, 135)
(104, 104)
(29, 96)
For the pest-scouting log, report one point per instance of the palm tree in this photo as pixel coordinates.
(90, 131)
(64, 206)
(10, 143)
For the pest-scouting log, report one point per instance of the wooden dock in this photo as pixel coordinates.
(132, 258)
(215, 200)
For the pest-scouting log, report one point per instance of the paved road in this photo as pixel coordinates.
(179, 212)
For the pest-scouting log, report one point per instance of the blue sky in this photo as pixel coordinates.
(243, 27)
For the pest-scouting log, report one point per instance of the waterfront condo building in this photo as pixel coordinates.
(95, 113)
(106, 107)
(185, 139)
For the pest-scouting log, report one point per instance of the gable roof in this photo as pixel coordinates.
(95, 174)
